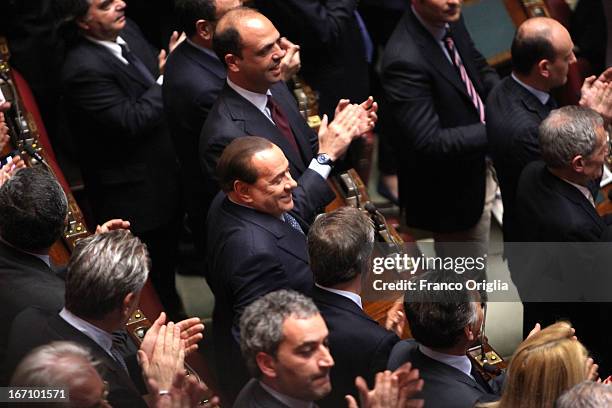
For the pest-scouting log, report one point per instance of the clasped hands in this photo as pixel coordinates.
(350, 122)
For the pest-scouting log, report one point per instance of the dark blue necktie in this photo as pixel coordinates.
(290, 219)
(135, 62)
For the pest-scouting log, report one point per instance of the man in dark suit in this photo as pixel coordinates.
(256, 102)
(339, 248)
(256, 245)
(193, 79)
(444, 323)
(25, 268)
(114, 102)
(284, 343)
(557, 216)
(105, 277)
(436, 82)
(541, 54)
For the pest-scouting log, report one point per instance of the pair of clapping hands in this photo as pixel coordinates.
(596, 93)
(161, 357)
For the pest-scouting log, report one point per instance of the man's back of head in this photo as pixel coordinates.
(443, 314)
(339, 246)
(587, 394)
(103, 270)
(33, 209)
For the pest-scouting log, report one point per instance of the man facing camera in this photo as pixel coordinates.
(255, 101)
(256, 239)
(340, 244)
(445, 324)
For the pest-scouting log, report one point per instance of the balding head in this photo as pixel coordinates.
(249, 45)
(542, 52)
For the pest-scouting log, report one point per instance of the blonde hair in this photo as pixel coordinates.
(543, 366)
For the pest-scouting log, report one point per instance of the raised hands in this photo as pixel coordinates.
(596, 93)
(290, 64)
(391, 390)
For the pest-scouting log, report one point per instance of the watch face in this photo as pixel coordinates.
(323, 159)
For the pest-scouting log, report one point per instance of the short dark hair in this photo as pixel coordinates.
(189, 12)
(67, 13)
(102, 270)
(339, 245)
(33, 209)
(437, 317)
(226, 39)
(528, 48)
(235, 161)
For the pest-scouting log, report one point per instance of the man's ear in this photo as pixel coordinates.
(233, 62)
(544, 68)
(243, 190)
(204, 30)
(578, 164)
(469, 332)
(81, 22)
(128, 304)
(266, 364)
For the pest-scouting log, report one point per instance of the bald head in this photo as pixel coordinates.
(249, 45)
(542, 49)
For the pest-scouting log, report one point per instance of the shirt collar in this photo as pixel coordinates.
(585, 191)
(113, 46)
(285, 399)
(542, 96)
(259, 100)
(437, 32)
(349, 295)
(203, 49)
(99, 336)
(461, 363)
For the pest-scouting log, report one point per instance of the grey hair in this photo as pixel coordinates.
(261, 323)
(53, 365)
(340, 245)
(103, 269)
(587, 394)
(568, 132)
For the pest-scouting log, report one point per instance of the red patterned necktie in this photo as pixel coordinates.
(281, 122)
(454, 55)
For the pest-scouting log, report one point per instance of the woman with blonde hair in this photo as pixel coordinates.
(544, 365)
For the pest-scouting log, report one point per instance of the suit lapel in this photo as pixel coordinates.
(257, 124)
(433, 53)
(288, 239)
(110, 59)
(575, 196)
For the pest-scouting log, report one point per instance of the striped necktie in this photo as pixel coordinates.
(454, 55)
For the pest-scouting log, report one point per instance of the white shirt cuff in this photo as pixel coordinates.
(322, 169)
(160, 80)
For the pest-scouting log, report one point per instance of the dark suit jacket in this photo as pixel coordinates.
(33, 328)
(551, 210)
(513, 117)
(117, 118)
(254, 396)
(249, 254)
(441, 142)
(445, 386)
(26, 281)
(358, 344)
(192, 81)
(232, 116)
(331, 46)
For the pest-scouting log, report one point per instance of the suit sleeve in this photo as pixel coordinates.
(410, 90)
(98, 92)
(327, 20)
